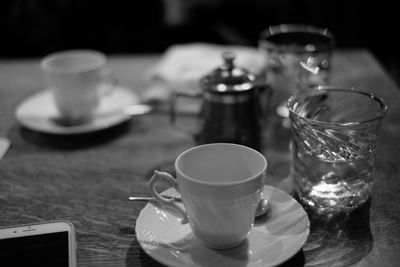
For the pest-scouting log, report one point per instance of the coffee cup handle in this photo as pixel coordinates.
(108, 80)
(165, 202)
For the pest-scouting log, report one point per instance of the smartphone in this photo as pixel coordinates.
(50, 243)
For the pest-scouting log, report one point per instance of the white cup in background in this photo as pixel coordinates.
(220, 186)
(78, 80)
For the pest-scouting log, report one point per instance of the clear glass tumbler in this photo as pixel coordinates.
(298, 57)
(333, 146)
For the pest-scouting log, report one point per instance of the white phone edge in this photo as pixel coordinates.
(44, 227)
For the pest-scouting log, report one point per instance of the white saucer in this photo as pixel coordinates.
(279, 237)
(38, 113)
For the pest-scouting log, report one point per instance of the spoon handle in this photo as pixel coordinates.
(262, 207)
(137, 109)
(152, 198)
(4, 146)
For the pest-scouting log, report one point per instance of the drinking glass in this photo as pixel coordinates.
(298, 57)
(333, 146)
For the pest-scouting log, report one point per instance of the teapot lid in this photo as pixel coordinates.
(228, 78)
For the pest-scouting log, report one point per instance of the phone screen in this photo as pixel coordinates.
(36, 250)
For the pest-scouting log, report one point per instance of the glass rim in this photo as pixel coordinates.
(329, 88)
(276, 30)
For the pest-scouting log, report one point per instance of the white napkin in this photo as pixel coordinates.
(182, 66)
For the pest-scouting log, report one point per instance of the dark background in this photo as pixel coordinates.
(34, 28)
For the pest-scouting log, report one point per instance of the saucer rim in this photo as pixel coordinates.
(71, 130)
(179, 263)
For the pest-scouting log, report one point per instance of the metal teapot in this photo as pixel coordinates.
(230, 111)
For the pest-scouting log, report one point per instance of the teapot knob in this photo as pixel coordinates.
(228, 58)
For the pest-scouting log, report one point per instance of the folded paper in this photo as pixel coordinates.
(182, 66)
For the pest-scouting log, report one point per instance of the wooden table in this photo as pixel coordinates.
(88, 178)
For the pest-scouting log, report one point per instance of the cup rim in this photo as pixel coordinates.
(100, 60)
(275, 30)
(329, 88)
(222, 184)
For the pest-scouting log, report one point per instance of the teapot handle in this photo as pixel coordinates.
(174, 110)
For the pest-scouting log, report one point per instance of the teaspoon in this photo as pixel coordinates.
(262, 207)
(130, 110)
(137, 109)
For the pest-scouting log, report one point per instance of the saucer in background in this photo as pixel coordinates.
(39, 113)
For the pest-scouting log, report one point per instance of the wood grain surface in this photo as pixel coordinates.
(87, 178)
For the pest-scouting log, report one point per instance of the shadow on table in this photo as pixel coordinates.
(144, 259)
(74, 141)
(341, 239)
(297, 260)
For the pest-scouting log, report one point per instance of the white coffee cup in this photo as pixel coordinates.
(78, 80)
(220, 185)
